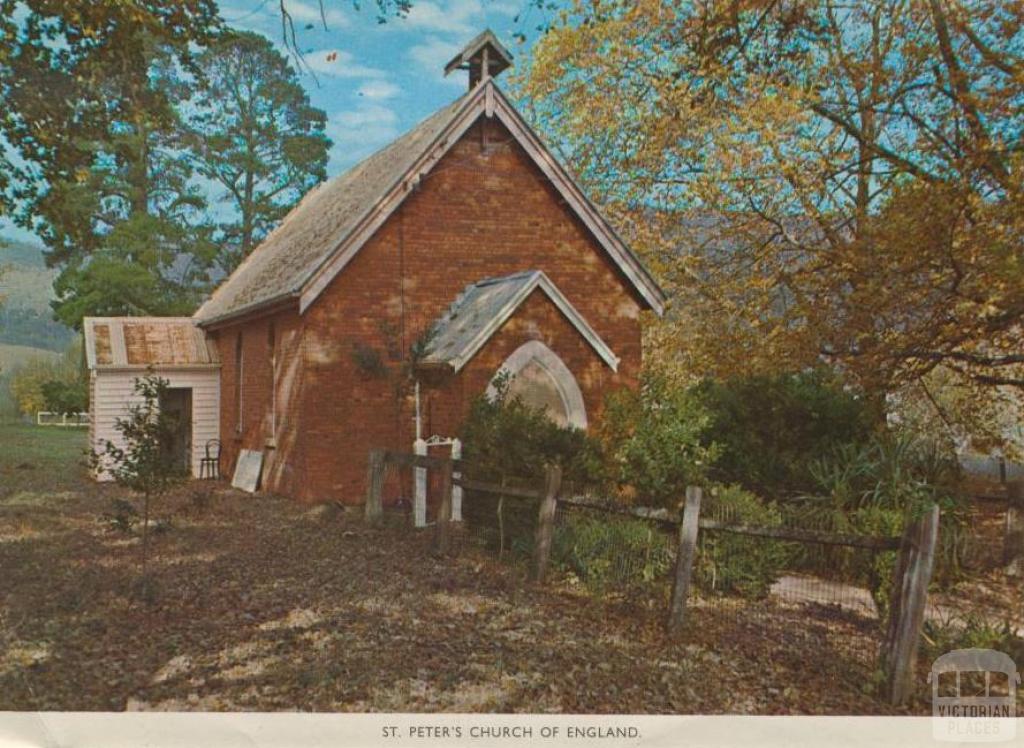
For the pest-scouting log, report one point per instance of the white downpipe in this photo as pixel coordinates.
(419, 499)
(456, 490)
(419, 418)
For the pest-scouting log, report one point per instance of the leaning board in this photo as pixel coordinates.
(247, 470)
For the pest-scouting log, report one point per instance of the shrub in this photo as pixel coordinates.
(656, 443)
(508, 441)
(501, 524)
(875, 489)
(143, 463)
(940, 637)
(65, 398)
(733, 564)
(505, 437)
(770, 429)
(604, 552)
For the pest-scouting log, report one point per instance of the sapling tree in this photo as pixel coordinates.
(144, 461)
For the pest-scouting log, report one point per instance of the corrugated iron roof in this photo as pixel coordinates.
(142, 342)
(483, 307)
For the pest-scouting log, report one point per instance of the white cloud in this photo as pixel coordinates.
(303, 13)
(379, 90)
(360, 131)
(433, 55)
(344, 65)
(366, 115)
(463, 17)
(509, 8)
(270, 13)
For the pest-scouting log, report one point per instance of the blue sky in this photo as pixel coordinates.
(386, 77)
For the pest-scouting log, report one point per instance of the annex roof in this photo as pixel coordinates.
(318, 238)
(142, 342)
(483, 307)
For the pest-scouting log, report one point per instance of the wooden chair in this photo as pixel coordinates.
(209, 466)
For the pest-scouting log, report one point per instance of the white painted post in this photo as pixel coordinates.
(419, 499)
(456, 489)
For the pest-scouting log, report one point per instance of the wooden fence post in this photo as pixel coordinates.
(375, 487)
(444, 517)
(1013, 548)
(909, 599)
(546, 522)
(684, 560)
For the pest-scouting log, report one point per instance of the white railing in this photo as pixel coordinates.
(46, 418)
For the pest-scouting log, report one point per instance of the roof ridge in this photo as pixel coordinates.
(302, 256)
(333, 188)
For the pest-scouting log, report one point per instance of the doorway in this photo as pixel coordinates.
(176, 405)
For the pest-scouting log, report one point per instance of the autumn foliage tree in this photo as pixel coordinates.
(814, 182)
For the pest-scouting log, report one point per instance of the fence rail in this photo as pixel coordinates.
(915, 549)
(48, 418)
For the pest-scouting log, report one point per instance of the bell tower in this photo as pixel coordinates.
(484, 57)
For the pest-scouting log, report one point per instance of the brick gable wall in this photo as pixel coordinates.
(484, 210)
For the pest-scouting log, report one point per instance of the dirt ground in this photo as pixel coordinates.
(263, 604)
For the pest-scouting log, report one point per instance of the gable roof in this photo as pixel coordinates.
(501, 61)
(141, 342)
(485, 306)
(318, 238)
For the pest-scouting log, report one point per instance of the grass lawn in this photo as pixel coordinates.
(264, 604)
(41, 459)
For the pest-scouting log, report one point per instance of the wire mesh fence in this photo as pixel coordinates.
(499, 523)
(790, 583)
(762, 594)
(828, 597)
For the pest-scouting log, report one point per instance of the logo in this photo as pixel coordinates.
(974, 696)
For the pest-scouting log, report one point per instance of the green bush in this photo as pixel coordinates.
(507, 441)
(65, 398)
(507, 525)
(655, 441)
(506, 438)
(770, 429)
(940, 637)
(875, 489)
(605, 552)
(733, 564)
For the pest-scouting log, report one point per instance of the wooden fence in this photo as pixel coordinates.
(914, 566)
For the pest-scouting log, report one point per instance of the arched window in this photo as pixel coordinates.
(542, 380)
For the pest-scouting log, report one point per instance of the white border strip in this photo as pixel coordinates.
(296, 730)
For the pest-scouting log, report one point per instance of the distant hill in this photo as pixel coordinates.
(21, 253)
(13, 356)
(26, 289)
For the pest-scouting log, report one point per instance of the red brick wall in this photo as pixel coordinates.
(478, 214)
(271, 391)
(447, 404)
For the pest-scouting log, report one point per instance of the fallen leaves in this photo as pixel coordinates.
(262, 604)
